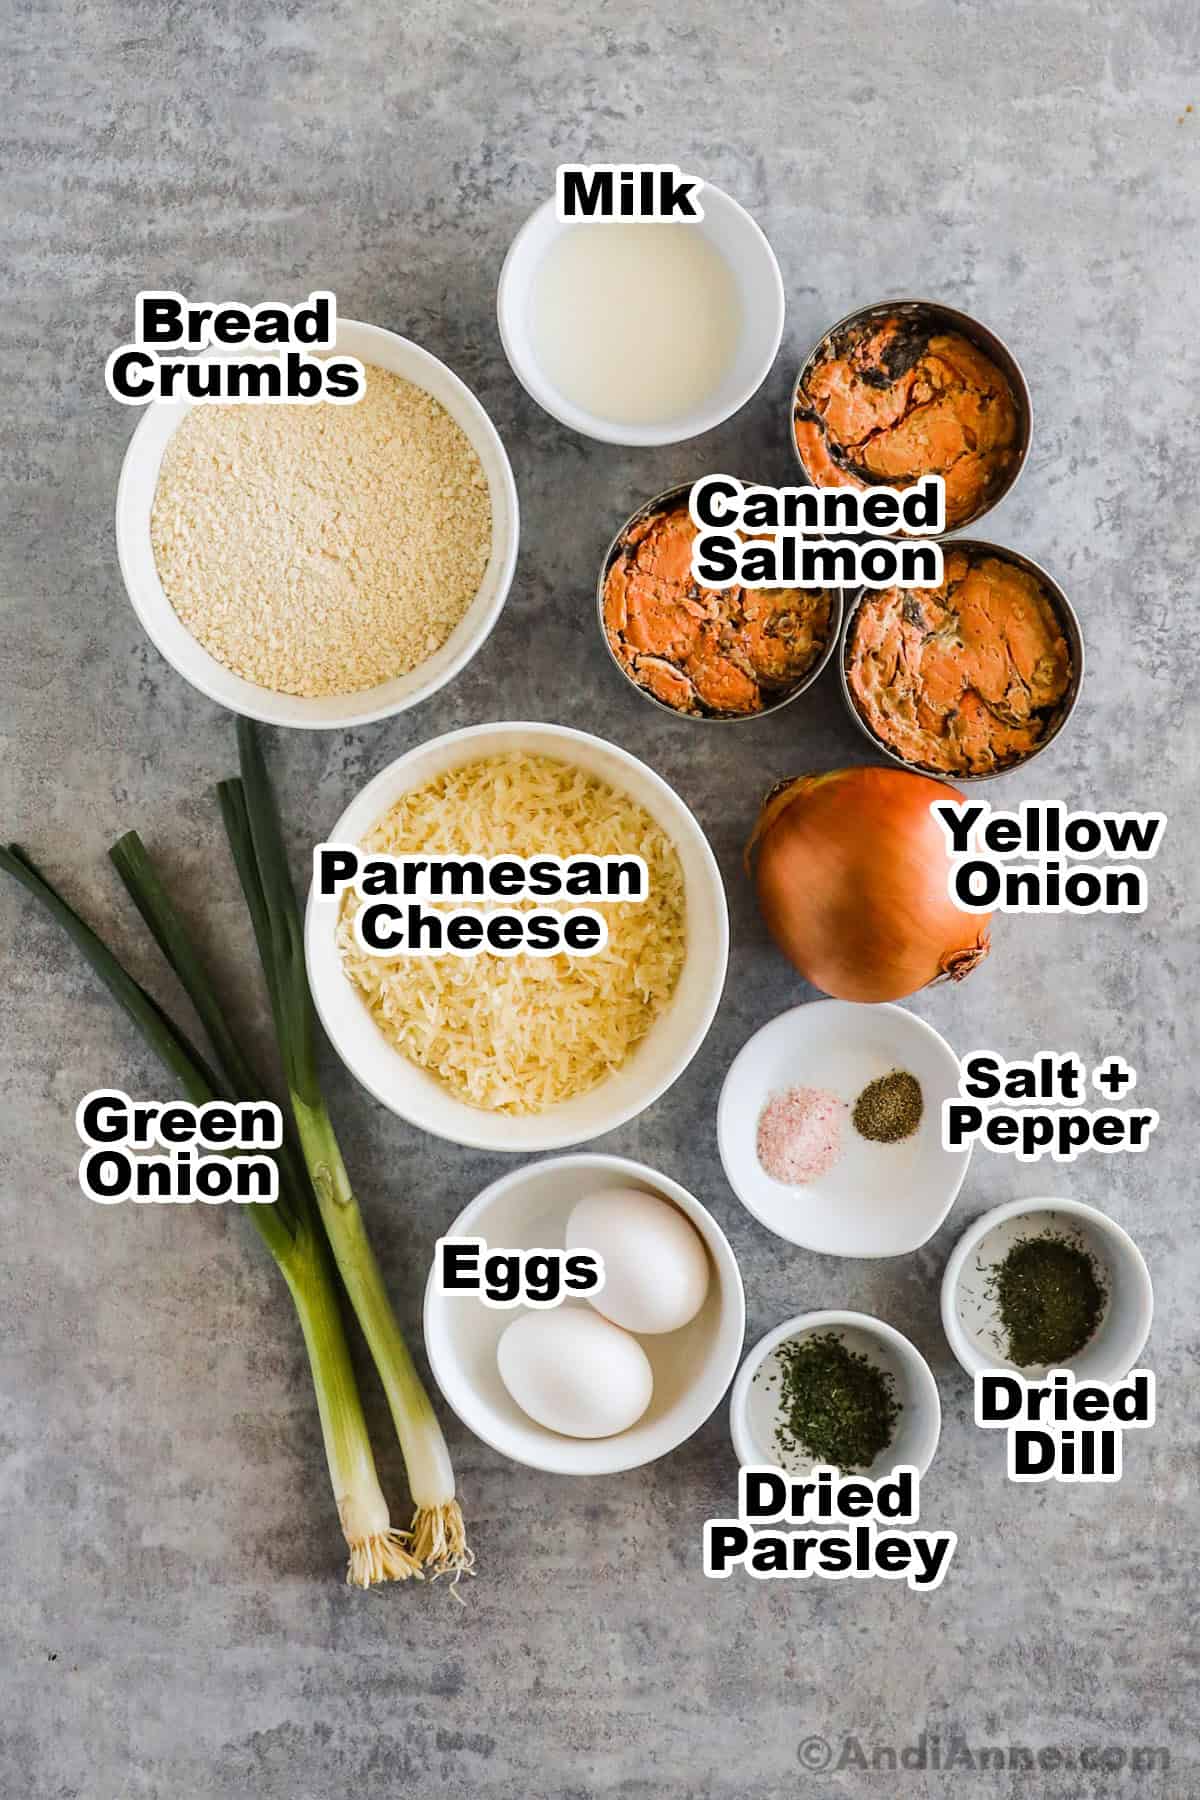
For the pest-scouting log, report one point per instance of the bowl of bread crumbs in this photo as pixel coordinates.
(322, 565)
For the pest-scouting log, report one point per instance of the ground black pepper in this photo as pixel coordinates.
(1050, 1299)
(889, 1109)
(835, 1405)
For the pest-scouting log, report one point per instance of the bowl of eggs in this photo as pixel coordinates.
(597, 1385)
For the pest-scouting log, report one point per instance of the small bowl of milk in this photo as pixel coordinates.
(641, 331)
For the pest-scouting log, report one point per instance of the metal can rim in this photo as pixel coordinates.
(969, 327)
(660, 502)
(1068, 617)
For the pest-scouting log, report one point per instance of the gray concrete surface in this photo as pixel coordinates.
(173, 1623)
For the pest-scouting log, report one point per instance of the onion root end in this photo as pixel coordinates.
(439, 1541)
(384, 1556)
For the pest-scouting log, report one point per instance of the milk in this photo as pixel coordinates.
(634, 323)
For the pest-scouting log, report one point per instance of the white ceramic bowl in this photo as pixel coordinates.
(969, 1312)
(663, 1054)
(185, 653)
(693, 1367)
(753, 1406)
(877, 1199)
(739, 240)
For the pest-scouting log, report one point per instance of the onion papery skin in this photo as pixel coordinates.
(852, 873)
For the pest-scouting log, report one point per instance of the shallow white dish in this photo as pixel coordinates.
(969, 1312)
(878, 1199)
(753, 1409)
(528, 1209)
(135, 501)
(663, 1054)
(740, 241)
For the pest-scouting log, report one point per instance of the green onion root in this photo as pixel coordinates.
(439, 1540)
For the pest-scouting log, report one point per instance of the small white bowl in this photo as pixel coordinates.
(877, 1199)
(663, 1054)
(751, 260)
(969, 1312)
(186, 654)
(754, 1410)
(693, 1367)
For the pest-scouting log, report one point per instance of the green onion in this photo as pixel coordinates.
(256, 840)
(134, 865)
(288, 1227)
(142, 881)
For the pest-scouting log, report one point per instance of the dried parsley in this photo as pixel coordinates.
(1049, 1297)
(889, 1109)
(835, 1405)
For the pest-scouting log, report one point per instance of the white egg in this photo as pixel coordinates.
(655, 1263)
(573, 1372)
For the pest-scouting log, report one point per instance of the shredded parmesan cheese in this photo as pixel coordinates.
(521, 1034)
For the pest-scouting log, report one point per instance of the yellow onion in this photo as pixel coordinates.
(853, 881)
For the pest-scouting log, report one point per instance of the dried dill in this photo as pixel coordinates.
(1049, 1297)
(835, 1405)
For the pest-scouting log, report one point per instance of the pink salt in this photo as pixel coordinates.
(800, 1134)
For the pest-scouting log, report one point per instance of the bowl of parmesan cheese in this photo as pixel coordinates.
(321, 564)
(531, 1050)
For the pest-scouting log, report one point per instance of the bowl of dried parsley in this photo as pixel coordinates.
(1047, 1284)
(835, 1389)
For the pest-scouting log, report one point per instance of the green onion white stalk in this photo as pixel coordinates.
(439, 1539)
(289, 1227)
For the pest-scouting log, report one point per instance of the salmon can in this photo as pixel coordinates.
(710, 713)
(892, 336)
(976, 549)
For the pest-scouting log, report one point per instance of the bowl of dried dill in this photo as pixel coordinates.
(835, 1389)
(1047, 1284)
